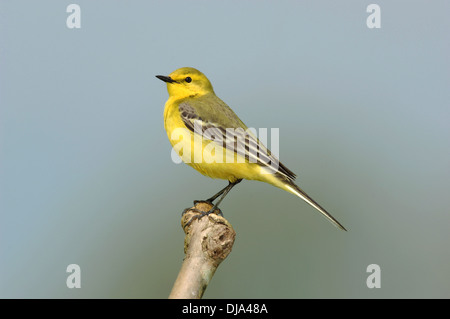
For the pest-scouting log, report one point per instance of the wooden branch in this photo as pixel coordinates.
(207, 243)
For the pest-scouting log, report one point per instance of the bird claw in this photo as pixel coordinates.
(200, 213)
(188, 209)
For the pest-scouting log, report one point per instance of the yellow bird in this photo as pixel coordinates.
(211, 138)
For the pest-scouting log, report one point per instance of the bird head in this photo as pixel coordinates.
(187, 82)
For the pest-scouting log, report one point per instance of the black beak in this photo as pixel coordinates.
(167, 79)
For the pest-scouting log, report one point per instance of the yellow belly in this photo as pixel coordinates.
(206, 156)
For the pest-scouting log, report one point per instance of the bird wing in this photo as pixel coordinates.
(214, 120)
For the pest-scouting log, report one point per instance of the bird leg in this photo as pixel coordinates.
(222, 192)
(212, 198)
(225, 192)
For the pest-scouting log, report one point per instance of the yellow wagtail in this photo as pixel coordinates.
(211, 138)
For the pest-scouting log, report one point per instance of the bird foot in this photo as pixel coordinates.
(209, 202)
(200, 213)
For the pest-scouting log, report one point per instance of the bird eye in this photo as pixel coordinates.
(188, 79)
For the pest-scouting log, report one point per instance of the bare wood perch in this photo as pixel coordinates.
(207, 243)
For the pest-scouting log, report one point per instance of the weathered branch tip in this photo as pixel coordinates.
(207, 243)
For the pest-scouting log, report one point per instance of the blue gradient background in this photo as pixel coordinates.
(85, 169)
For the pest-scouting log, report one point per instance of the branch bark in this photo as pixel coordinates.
(207, 243)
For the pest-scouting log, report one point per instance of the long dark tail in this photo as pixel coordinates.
(294, 189)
